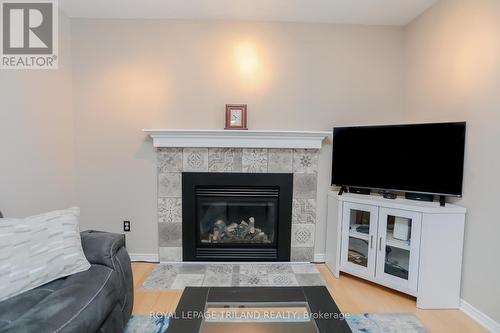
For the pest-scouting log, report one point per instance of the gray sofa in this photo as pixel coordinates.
(97, 300)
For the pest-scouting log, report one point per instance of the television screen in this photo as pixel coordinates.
(422, 158)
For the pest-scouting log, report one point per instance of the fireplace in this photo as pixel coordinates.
(236, 216)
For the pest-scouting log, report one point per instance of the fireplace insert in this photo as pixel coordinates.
(236, 216)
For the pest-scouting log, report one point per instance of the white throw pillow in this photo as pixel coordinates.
(39, 249)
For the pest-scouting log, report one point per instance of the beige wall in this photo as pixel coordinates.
(453, 54)
(37, 137)
(132, 74)
(135, 74)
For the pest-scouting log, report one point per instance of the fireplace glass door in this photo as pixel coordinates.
(236, 217)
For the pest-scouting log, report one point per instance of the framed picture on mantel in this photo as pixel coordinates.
(236, 116)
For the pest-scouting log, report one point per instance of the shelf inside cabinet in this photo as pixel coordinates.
(358, 235)
(401, 244)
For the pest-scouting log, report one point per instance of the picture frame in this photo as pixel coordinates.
(236, 117)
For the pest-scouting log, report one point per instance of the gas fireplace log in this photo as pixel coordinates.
(252, 225)
(245, 232)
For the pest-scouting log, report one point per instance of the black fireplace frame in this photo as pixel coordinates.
(193, 180)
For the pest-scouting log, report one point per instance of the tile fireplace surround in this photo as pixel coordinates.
(172, 161)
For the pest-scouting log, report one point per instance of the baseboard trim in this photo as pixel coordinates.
(147, 257)
(480, 317)
(319, 257)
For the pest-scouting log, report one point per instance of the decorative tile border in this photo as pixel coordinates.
(304, 185)
(225, 160)
(169, 185)
(304, 211)
(171, 162)
(180, 275)
(255, 160)
(303, 235)
(170, 253)
(170, 234)
(195, 160)
(302, 254)
(305, 160)
(169, 210)
(280, 161)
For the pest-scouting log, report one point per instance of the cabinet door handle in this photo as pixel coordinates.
(380, 244)
(371, 242)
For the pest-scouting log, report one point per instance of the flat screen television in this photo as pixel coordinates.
(418, 158)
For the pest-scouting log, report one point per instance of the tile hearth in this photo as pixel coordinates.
(178, 276)
(171, 162)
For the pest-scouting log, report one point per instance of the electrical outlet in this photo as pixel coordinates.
(126, 226)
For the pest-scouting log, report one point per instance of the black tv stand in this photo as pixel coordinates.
(419, 196)
(360, 190)
(342, 190)
(425, 197)
(442, 200)
(357, 190)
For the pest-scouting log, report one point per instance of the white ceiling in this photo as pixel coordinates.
(379, 12)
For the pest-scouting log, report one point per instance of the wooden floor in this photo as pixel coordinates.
(351, 295)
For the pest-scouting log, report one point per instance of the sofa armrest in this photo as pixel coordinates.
(108, 249)
(101, 247)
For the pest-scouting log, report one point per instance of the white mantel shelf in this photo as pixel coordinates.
(236, 138)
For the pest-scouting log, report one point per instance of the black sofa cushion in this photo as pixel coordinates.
(78, 303)
(108, 249)
(97, 300)
(101, 247)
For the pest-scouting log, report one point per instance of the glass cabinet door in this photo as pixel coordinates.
(398, 244)
(359, 232)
